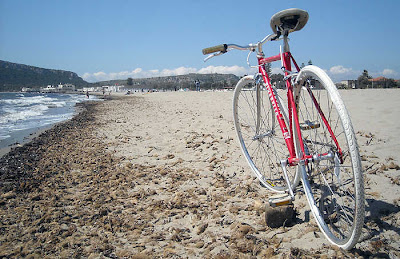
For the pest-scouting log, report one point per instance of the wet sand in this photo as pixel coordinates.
(161, 175)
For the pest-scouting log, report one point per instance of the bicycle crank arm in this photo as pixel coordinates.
(284, 198)
(284, 164)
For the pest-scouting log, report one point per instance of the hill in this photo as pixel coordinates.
(207, 81)
(15, 76)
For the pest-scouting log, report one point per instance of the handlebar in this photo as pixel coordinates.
(223, 48)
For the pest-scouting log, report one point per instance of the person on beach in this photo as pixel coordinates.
(87, 94)
(197, 83)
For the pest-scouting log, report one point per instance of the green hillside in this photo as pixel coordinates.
(207, 81)
(13, 77)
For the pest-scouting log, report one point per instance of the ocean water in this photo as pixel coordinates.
(23, 113)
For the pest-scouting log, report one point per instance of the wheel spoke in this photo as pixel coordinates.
(261, 137)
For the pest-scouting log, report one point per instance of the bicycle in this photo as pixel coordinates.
(304, 135)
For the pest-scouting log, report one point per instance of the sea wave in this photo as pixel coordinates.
(25, 111)
(26, 101)
(13, 115)
(4, 136)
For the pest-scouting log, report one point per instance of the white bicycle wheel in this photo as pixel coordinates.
(259, 134)
(333, 185)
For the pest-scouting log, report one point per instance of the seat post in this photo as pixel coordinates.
(286, 47)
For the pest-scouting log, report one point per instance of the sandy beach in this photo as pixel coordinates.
(162, 175)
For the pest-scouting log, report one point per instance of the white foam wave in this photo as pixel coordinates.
(24, 111)
(56, 104)
(25, 101)
(13, 115)
(4, 136)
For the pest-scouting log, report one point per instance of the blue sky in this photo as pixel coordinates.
(102, 40)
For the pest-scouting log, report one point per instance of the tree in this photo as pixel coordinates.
(302, 65)
(391, 83)
(277, 79)
(129, 81)
(310, 62)
(363, 81)
(268, 69)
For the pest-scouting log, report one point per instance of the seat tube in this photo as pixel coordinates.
(286, 62)
(293, 116)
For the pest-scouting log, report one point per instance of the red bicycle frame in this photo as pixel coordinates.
(287, 60)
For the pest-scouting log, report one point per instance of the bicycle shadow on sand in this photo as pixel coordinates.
(380, 212)
(379, 215)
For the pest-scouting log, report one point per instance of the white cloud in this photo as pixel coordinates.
(339, 73)
(140, 73)
(388, 72)
(337, 70)
(236, 70)
(178, 71)
(86, 76)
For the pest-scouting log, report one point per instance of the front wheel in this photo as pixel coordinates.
(259, 133)
(333, 181)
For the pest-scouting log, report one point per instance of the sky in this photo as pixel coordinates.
(103, 40)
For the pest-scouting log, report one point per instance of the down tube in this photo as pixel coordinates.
(286, 134)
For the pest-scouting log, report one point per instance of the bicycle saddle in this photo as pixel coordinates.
(290, 19)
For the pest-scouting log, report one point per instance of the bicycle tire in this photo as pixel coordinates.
(260, 136)
(334, 187)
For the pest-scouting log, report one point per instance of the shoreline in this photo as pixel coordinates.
(161, 175)
(21, 137)
(13, 162)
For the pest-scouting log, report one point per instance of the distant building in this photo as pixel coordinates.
(61, 88)
(382, 82)
(349, 84)
(88, 89)
(48, 89)
(113, 88)
(378, 79)
(66, 88)
(27, 90)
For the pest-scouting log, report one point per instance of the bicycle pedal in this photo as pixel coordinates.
(280, 200)
(307, 125)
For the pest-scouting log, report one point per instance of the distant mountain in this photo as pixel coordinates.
(207, 81)
(15, 76)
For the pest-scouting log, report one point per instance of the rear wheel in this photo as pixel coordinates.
(259, 134)
(333, 182)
